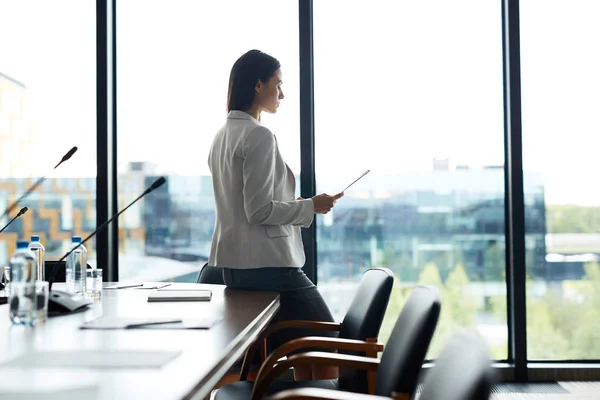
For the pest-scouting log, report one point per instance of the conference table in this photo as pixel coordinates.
(38, 362)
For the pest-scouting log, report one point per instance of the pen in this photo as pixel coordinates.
(140, 324)
(126, 286)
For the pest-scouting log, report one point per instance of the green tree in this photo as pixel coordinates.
(458, 308)
(586, 337)
(563, 325)
(405, 266)
(430, 275)
(399, 262)
(461, 304)
(544, 340)
(498, 307)
(493, 263)
(397, 300)
(572, 219)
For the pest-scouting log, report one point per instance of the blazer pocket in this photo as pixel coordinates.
(275, 231)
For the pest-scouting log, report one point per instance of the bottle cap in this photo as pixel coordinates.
(76, 239)
(22, 244)
(35, 238)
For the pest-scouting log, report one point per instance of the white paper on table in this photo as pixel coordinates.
(105, 358)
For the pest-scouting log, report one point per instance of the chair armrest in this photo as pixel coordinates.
(370, 346)
(315, 325)
(261, 340)
(322, 394)
(263, 381)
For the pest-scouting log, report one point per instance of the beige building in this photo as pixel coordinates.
(17, 130)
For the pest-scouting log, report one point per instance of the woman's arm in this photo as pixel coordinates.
(260, 150)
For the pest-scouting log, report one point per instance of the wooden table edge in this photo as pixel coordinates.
(249, 335)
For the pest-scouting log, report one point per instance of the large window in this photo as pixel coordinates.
(47, 106)
(173, 71)
(413, 91)
(561, 127)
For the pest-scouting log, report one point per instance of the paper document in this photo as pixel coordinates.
(105, 358)
(147, 285)
(154, 286)
(49, 384)
(357, 179)
(185, 295)
(205, 322)
(181, 286)
(125, 323)
(25, 393)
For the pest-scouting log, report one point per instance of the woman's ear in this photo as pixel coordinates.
(258, 87)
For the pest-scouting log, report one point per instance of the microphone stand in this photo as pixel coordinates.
(2, 282)
(38, 183)
(66, 157)
(61, 302)
(21, 212)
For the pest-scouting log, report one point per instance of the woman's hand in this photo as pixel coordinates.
(323, 203)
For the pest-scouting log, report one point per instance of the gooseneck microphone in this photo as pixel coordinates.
(3, 299)
(62, 302)
(38, 183)
(21, 212)
(66, 156)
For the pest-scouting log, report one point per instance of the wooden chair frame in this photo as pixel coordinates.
(371, 347)
(327, 394)
(266, 377)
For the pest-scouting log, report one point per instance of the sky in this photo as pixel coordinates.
(397, 83)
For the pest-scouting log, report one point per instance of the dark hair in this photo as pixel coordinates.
(245, 74)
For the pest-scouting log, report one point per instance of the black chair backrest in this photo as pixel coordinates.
(211, 275)
(49, 267)
(363, 320)
(407, 346)
(462, 371)
(365, 314)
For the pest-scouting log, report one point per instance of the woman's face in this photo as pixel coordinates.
(269, 94)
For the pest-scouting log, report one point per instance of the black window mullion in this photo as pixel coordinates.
(308, 184)
(106, 196)
(514, 196)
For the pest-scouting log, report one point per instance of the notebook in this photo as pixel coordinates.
(187, 295)
(138, 286)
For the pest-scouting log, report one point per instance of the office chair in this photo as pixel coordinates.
(397, 371)
(462, 372)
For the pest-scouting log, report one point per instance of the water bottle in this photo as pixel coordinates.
(76, 267)
(23, 266)
(39, 252)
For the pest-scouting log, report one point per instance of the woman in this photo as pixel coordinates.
(257, 237)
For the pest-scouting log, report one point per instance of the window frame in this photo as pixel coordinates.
(106, 190)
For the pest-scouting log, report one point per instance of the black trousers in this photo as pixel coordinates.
(299, 299)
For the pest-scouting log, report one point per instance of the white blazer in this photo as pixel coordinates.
(258, 218)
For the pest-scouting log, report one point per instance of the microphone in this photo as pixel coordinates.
(155, 185)
(37, 183)
(2, 282)
(61, 302)
(21, 212)
(67, 156)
